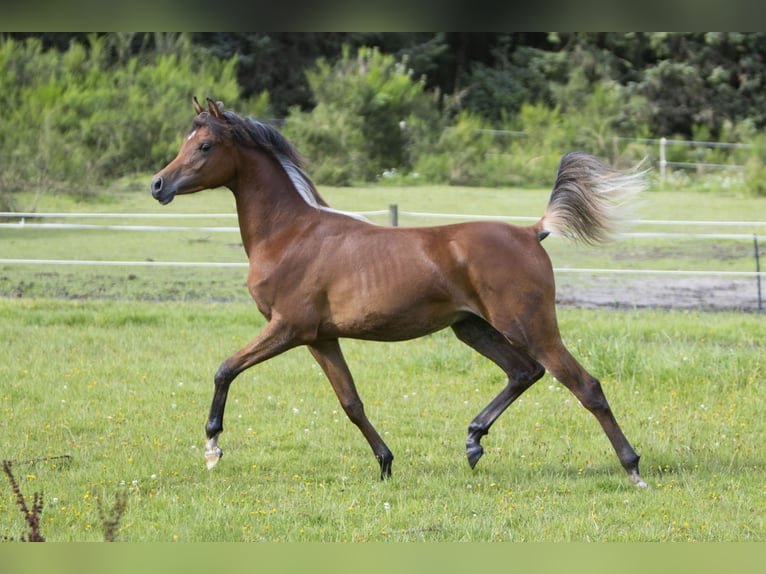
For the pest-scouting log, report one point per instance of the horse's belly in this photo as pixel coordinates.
(378, 328)
(393, 317)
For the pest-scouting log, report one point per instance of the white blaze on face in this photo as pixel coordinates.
(191, 135)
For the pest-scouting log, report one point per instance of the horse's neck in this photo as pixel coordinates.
(267, 201)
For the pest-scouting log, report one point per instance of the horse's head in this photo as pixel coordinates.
(204, 161)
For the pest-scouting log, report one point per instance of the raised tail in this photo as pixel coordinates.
(590, 200)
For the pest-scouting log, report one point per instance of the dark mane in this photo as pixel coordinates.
(252, 133)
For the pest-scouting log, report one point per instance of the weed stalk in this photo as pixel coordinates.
(31, 516)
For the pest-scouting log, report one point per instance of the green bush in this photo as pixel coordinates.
(463, 155)
(77, 119)
(755, 168)
(331, 143)
(103, 109)
(534, 158)
(363, 103)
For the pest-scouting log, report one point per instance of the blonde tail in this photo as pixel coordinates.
(590, 200)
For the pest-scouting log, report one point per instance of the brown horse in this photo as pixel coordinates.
(319, 275)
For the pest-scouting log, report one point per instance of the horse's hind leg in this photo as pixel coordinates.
(568, 371)
(522, 371)
(330, 358)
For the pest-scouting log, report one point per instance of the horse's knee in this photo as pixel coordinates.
(223, 376)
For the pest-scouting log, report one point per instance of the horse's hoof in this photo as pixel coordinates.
(212, 456)
(473, 453)
(385, 467)
(636, 480)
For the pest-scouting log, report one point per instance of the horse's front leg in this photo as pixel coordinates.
(330, 358)
(273, 340)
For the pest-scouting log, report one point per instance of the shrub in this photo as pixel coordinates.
(534, 158)
(463, 154)
(330, 142)
(755, 168)
(95, 112)
(363, 101)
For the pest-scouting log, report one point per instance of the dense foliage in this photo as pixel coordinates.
(458, 108)
(96, 111)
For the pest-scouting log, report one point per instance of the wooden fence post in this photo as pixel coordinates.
(393, 215)
(758, 273)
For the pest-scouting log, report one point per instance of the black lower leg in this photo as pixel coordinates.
(214, 425)
(222, 380)
(592, 397)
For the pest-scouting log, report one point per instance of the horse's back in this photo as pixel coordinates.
(473, 255)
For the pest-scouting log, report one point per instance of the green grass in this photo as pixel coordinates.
(124, 388)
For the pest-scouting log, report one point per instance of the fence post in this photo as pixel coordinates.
(663, 157)
(758, 273)
(393, 215)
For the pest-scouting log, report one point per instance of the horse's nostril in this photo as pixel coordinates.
(156, 185)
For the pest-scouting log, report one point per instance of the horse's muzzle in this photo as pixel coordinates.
(160, 192)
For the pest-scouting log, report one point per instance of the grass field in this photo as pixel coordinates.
(123, 388)
(111, 368)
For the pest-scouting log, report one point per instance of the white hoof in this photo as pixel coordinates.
(212, 457)
(213, 452)
(637, 481)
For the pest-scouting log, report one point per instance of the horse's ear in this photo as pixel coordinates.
(197, 106)
(214, 108)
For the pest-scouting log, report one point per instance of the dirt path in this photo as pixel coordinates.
(574, 289)
(664, 292)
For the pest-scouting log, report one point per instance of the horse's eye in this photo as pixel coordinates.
(204, 146)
